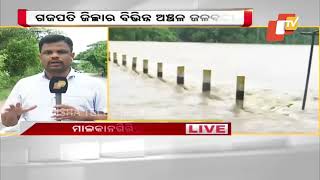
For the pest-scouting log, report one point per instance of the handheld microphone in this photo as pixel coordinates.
(58, 85)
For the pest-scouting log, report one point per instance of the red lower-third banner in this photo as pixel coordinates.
(216, 128)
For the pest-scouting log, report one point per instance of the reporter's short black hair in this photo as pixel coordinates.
(55, 38)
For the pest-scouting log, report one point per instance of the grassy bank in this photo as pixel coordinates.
(4, 93)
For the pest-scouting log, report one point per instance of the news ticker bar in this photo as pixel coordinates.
(217, 128)
(236, 17)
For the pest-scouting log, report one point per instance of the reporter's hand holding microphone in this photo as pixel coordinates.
(59, 86)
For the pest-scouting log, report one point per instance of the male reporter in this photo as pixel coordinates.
(31, 100)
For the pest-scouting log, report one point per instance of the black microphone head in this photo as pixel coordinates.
(58, 85)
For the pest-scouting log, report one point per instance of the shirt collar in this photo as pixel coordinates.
(71, 74)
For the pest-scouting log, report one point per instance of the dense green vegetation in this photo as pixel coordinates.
(93, 59)
(143, 34)
(4, 93)
(19, 56)
(216, 35)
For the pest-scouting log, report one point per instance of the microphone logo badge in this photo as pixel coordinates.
(58, 85)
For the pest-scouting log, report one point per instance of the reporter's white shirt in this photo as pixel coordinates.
(85, 93)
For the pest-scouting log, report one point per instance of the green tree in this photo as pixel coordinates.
(4, 76)
(219, 35)
(21, 54)
(18, 54)
(142, 34)
(96, 55)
